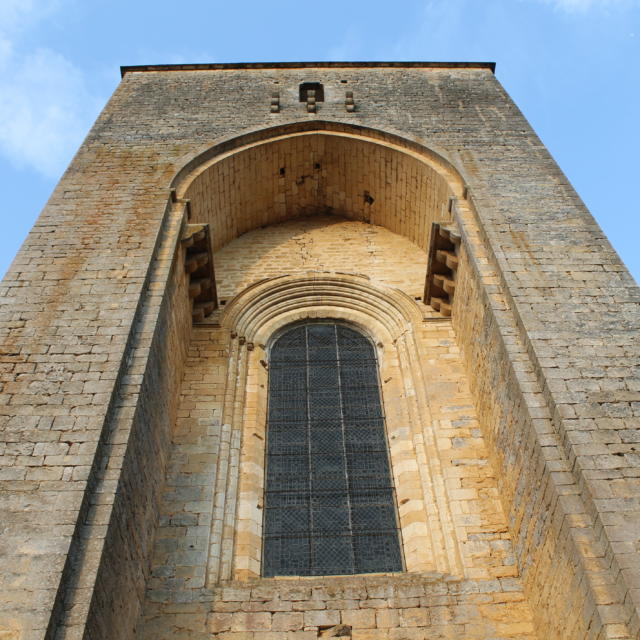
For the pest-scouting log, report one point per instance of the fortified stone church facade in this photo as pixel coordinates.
(316, 350)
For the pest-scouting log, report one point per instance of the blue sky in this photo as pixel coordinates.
(571, 65)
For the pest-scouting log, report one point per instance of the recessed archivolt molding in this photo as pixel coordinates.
(389, 318)
(261, 309)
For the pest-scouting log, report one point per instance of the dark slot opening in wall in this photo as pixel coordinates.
(315, 86)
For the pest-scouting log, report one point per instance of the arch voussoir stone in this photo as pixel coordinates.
(268, 304)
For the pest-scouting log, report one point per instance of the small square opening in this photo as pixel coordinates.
(305, 87)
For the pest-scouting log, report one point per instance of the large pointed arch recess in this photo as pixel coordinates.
(304, 169)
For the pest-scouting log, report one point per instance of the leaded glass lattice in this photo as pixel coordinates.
(330, 501)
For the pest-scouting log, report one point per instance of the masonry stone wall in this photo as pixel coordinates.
(549, 339)
(138, 448)
(552, 531)
(119, 513)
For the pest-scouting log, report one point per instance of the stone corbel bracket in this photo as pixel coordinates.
(349, 103)
(442, 263)
(275, 102)
(198, 263)
(311, 101)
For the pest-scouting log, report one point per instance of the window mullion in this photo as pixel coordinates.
(309, 457)
(344, 451)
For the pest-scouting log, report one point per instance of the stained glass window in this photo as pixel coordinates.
(330, 502)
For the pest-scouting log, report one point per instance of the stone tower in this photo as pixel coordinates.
(162, 437)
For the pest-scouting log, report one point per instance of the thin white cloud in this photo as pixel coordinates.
(16, 15)
(45, 109)
(45, 105)
(584, 6)
(5, 52)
